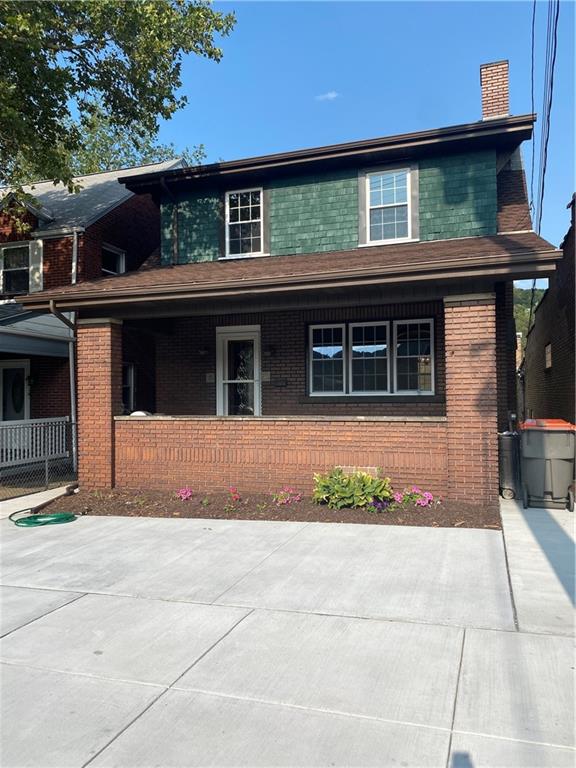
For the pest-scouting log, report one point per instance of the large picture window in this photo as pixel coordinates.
(244, 223)
(374, 358)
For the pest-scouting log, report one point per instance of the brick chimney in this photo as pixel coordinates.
(494, 87)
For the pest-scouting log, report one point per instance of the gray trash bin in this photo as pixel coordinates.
(547, 462)
(508, 464)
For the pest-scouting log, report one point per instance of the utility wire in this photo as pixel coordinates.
(549, 69)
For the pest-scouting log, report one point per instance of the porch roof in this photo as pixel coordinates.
(504, 256)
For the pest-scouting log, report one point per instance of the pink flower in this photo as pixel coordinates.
(398, 497)
(415, 489)
(184, 493)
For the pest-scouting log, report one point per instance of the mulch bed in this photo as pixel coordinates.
(261, 507)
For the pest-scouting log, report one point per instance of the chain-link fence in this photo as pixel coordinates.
(36, 454)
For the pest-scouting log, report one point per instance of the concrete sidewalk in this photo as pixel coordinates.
(24, 503)
(540, 545)
(141, 641)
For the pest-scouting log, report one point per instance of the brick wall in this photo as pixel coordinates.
(133, 226)
(10, 231)
(471, 399)
(494, 87)
(284, 339)
(50, 388)
(262, 455)
(550, 393)
(99, 361)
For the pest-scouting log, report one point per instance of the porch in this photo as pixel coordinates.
(263, 398)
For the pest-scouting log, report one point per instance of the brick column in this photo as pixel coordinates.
(471, 398)
(99, 365)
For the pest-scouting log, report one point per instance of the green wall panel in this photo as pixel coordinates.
(315, 213)
(458, 196)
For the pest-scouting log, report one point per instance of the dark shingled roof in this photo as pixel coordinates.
(409, 259)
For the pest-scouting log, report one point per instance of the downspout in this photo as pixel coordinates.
(72, 357)
(175, 213)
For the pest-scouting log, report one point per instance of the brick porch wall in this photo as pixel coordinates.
(471, 399)
(265, 454)
(99, 365)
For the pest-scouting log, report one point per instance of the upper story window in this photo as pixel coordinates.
(15, 268)
(388, 205)
(244, 223)
(113, 260)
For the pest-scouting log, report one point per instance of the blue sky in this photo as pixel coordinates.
(299, 74)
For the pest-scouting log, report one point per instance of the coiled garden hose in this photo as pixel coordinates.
(33, 520)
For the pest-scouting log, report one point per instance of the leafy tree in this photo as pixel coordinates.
(522, 299)
(65, 64)
(106, 146)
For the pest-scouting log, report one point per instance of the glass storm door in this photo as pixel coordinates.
(238, 371)
(13, 392)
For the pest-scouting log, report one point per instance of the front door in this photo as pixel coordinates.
(238, 371)
(14, 399)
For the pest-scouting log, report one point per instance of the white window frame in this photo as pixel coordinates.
(412, 392)
(366, 324)
(382, 172)
(227, 223)
(311, 329)
(8, 246)
(121, 259)
(131, 368)
(227, 333)
(25, 364)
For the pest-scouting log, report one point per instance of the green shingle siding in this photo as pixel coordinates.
(199, 226)
(458, 196)
(314, 213)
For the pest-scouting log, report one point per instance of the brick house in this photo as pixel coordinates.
(68, 238)
(343, 305)
(548, 370)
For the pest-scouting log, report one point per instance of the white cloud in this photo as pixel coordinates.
(328, 96)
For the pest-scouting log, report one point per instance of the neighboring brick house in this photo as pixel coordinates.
(66, 239)
(343, 305)
(548, 370)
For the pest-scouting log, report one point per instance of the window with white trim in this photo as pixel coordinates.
(372, 358)
(244, 223)
(113, 260)
(388, 206)
(15, 268)
(369, 360)
(413, 352)
(327, 359)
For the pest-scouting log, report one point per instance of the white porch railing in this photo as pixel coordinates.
(34, 440)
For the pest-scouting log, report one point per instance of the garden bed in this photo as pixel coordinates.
(262, 507)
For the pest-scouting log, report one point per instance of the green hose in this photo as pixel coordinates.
(33, 520)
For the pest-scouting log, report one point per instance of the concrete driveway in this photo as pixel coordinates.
(151, 642)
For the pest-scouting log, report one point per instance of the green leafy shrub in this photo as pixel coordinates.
(338, 489)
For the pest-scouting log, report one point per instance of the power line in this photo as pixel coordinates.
(549, 69)
(532, 110)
